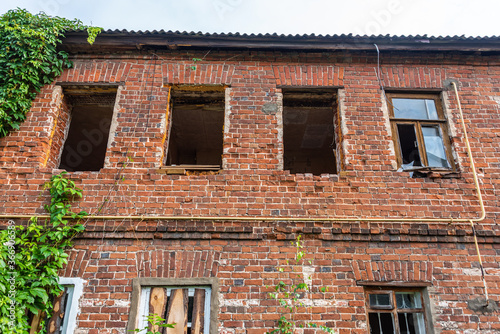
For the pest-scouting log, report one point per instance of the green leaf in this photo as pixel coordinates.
(38, 292)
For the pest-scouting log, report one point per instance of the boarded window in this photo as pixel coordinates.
(58, 323)
(396, 311)
(419, 131)
(308, 130)
(196, 120)
(87, 138)
(187, 307)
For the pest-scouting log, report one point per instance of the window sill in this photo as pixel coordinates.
(183, 169)
(432, 172)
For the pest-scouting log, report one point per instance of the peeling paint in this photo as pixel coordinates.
(387, 121)
(114, 125)
(343, 125)
(497, 100)
(279, 120)
(452, 130)
(227, 123)
(472, 272)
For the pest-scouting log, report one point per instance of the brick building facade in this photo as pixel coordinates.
(207, 155)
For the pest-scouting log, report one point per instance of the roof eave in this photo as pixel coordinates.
(76, 41)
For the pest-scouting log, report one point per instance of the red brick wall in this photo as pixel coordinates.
(244, 258)
(252, 183)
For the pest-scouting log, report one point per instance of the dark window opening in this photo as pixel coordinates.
(196, 127)
(308, 130)
(381, 323)
(91, 114)
(408, 144)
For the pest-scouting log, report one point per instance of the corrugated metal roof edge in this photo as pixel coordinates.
(260, 35)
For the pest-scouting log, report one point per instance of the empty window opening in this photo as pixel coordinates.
(91, 114)
(196, 127)
(308, 130)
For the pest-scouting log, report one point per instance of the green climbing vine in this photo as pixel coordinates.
(31, 255)
(29, 59)
(291, 295)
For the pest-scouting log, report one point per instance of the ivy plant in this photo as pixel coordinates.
(292, 294)
(29, 59)
(32, 255)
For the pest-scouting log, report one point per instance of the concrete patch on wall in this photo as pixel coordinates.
(479, 305)
(270, 108)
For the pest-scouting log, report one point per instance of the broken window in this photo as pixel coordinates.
(396, 311)
(419, 131)
(91, 110)
(195, 136)
(190, 303)
(308, 130)
(65, 308)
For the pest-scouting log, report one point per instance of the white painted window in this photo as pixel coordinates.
(73, 290)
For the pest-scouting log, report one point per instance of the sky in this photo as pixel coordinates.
(362, 17)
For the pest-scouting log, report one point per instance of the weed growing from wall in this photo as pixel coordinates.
(292, 293)
(29, 59)
(30, 262)
(156, 323)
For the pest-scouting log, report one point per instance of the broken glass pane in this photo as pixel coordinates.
(408, 300)
(408, 144)
(411, 323)
(434, 147)
(379, 299)
(381, 323)
(414, 109)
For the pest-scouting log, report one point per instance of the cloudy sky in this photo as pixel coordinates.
(363, 17)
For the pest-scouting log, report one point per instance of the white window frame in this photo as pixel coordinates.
(72, 307)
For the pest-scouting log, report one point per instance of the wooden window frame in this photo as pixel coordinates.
(138, 285)
(441, 123)
(394, 310)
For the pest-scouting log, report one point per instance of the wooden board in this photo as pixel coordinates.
(157, 304)
(198, 319)
(58, 313)
(177, 311)
(35, 322)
